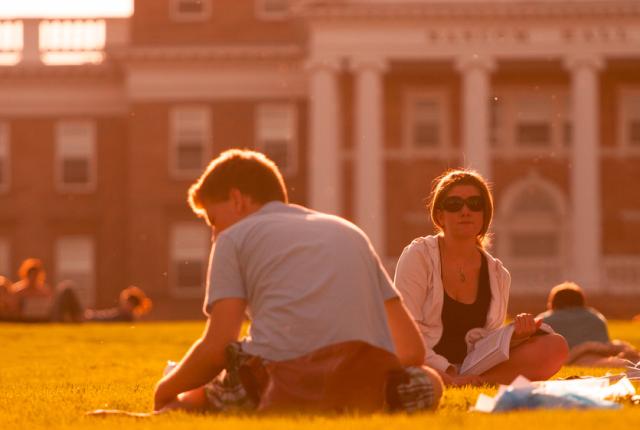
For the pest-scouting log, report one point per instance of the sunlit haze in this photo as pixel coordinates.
(65, 8)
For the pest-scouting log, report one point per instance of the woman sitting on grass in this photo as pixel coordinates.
(585, 330)
(457, 292)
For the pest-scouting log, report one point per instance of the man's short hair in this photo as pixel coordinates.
(251, 172)
(566, 295)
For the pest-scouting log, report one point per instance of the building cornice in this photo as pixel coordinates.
(103, 70)
(206, 53)
(340, 9)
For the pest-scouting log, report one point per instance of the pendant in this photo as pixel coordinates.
(461, 275)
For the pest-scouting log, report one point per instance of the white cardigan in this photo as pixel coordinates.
(419, 281)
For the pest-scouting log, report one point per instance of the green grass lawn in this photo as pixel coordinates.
(50, 375)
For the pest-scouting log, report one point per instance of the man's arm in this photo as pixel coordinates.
(406, 336)
(205, 359)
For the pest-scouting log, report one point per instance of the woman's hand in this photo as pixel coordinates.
(525, 326)
(452, 378)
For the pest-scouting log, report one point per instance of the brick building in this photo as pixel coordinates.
(105, 122)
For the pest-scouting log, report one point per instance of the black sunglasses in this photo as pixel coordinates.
(455, 203)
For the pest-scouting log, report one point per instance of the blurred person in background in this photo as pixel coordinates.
(132, 304)
(33, 297)
(585, 330)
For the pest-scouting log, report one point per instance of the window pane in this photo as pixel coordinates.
(4, 258)
(75, 262)
(533, 201)
(190, 6)
(190, 155)
(427, 109)
(190, 247)
(634, 132)
(495, 117)
(568, 134)
(533, 134)
(530, 244)
(426, 135)
(190, 138)
(75, 171)
(190, 274)
(75, 152)
(276, 122)
(276, 134)
(275, 6)
(278, 151)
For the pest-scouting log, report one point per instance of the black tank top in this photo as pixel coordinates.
(458, 318)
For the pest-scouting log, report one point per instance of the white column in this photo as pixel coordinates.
(324, 160)
(475, 111)
(31, 41)
(369, 192)
(585, 172)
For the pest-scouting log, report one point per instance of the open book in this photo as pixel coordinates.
(492, 350)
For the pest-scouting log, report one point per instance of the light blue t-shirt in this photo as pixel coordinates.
(310, 280)
(577, 324)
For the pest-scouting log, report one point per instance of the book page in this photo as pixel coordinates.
(487, 347)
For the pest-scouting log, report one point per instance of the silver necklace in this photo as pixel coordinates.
(461, 274)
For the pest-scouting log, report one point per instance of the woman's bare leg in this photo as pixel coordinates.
(537, 359)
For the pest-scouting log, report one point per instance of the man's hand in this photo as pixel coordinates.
(205, 358)
(525, 326)
(162, 396)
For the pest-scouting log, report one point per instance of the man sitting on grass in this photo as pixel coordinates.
(328, 329)
(585, 330)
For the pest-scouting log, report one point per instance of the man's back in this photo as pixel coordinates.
(310, 280)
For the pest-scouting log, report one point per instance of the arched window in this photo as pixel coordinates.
(531, 235)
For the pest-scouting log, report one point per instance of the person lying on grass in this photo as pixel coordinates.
(328, 330)
(458, 293)
(585, 330)
(133, 303)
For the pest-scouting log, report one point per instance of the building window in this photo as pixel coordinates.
(72, 41)
(425, 122)
(272, 9)
(75, 261)
(495, 121)
(530, 122)
(533, 122)
(190, 247)
(11, 42)
(75, 156)
(634, 133)
(531, 237)
(190, 141)
(190, 10)
(5, 263)
(276, 135)
(4, 157)
(630, 119)
(567, 134)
